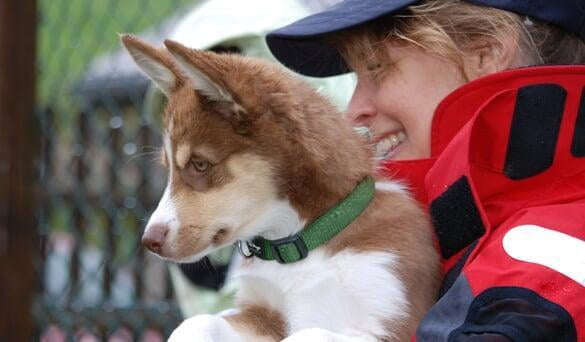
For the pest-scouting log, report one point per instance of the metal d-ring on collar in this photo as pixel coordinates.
(250, 249)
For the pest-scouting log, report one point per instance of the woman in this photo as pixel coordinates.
(467, 101)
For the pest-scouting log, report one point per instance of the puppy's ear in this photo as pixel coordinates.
(155, 63)
(207, 72)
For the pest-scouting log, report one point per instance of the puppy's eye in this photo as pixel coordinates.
(200, 165)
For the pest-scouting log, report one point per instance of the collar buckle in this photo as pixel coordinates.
(324, 228)
(283, 251)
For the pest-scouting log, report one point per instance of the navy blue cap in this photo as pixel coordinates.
(300, 45)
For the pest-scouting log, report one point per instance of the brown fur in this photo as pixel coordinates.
(290, 134)
(220, 237)
(284, 129)
(395, 222)
(190, 241)
(260, 321)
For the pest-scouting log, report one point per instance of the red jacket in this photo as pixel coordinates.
(505, 187)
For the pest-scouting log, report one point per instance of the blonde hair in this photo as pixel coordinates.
(449, 28)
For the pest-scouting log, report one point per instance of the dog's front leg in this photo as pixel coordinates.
(205, 328)
(323, 335)
(256, 323)
(237, 326)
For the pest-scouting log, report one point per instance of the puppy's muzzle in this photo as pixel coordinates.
(154, 237)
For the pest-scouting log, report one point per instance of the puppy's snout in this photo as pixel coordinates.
(154, 237)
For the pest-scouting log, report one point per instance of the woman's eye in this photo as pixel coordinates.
(374, 67)
(379, 71)
(200, 165)
(376, 72)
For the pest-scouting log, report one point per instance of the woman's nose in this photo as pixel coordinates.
(360, 110)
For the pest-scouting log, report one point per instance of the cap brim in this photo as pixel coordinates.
(300, 46)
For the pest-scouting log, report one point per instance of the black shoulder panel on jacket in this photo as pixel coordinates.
(578, 146)
(456, 218)
(535, 129)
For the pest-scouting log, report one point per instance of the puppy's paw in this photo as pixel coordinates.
(322, 335)
(313, 334)
(204, 328)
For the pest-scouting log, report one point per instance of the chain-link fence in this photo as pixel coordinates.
(98, 176)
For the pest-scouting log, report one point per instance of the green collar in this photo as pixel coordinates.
(296, 247)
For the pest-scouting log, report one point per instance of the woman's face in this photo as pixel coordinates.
(398, 104)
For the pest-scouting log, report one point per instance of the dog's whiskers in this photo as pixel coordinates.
(142, 154)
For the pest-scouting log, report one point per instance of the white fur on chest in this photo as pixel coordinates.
(348, 292)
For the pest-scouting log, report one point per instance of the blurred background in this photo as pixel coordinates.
(90, 146)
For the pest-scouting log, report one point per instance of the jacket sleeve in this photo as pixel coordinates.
(498, 292)
(514, 314)
(499, 313)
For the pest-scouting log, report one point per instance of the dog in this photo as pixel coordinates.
(257, 157)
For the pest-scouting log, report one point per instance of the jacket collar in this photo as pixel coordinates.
(474, 130)
(487, 137)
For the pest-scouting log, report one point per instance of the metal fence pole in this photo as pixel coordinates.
(18, 146)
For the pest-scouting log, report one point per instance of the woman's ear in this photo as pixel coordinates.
(490, 55)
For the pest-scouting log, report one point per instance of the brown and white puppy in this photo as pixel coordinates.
(253, 151)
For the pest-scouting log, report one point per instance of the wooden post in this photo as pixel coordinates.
(18, 148)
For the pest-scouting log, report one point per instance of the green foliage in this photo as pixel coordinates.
(73, 32)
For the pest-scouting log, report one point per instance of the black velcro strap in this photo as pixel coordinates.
(535, 129)
(578, 146)
(456, 218)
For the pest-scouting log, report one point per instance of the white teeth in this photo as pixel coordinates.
(394, 140)
(401, 136)
(388, 144)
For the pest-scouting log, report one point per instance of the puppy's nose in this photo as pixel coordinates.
(154, 237)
